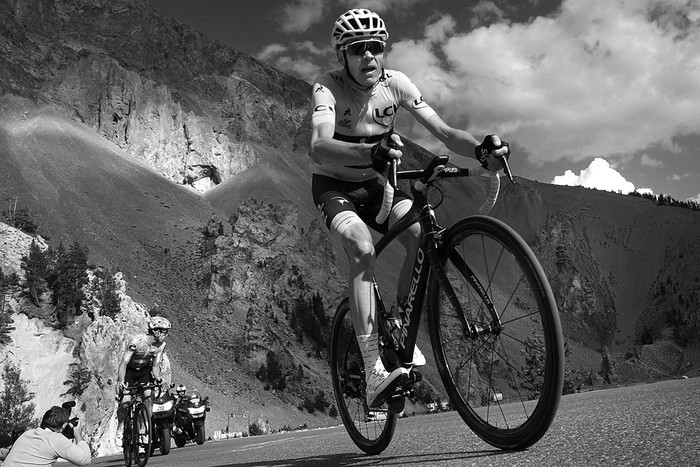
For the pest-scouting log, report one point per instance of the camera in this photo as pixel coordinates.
(72, 423)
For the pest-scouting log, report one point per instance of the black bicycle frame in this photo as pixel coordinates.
(428, 258)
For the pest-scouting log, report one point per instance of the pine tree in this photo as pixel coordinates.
(106, 288)
(111, 304)
(67, 276)
(77, 276)
(16, 408)
(35, 266)
(6, 320)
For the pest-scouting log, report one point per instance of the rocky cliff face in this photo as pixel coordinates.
(183, 103)
(47, 358)
(115, 82)
(584, 296)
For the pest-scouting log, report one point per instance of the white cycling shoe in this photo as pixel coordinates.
(380, 383)
(118, 437)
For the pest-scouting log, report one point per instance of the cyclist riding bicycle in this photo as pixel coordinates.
(140, 364)
(352, 141)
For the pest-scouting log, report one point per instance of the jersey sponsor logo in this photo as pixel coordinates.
(344, 123)
(348, 112)
(418, 103)
(340, 200)
(385, 116)
(323, 108)
(319, 88)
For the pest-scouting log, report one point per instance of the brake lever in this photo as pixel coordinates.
(506, 168)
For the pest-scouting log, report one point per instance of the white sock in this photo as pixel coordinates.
(369, 346)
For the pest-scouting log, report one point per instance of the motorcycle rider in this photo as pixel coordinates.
(140, 364)
(180, 393)
(352, 141)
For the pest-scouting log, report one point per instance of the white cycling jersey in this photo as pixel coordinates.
(359, 114)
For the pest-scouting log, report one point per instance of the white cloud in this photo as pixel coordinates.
(270, 51)
(695, 199)
(649, 161)
(299, 16)
(302, 59)
(380, 6)
(678, 178)
(486, 12)
(599, 175)
(601, 77)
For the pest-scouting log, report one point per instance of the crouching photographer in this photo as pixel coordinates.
(44, 445)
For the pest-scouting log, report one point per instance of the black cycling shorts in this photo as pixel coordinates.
(333, 196)
(142, 376)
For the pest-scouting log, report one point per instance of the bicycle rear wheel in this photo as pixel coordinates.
(505, 379)
(142, 435)
(373, 430)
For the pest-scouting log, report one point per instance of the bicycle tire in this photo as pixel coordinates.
(127, 441)
(523, 361)
(142, 435)
(164, 441)
(347, 373)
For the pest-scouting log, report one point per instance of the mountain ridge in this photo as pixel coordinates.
(99, 128)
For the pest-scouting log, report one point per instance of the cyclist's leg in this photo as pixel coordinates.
(342, 219)
(357, 242)
(130, 378)
(122, 411)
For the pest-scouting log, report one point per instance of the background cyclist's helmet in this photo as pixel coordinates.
(357, 24)
(181, 389)
(158, 322)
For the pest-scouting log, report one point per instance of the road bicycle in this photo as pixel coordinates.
(492, 319)
(138, 433)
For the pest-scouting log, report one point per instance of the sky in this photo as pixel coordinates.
(598, 93)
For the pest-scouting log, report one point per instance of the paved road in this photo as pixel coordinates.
(647, 425)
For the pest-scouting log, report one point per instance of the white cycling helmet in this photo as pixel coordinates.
(181, 388)
(357, 24)
(158, 322)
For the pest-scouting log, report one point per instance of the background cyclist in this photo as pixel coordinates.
(140, 364)
(352, 140)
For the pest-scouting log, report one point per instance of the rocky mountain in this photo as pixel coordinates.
(182, 163)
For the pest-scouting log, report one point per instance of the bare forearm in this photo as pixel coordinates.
(462, 142)
(333, 151)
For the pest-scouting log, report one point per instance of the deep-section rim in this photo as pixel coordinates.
(542, 416)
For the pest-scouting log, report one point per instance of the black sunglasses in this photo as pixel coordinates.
(359, 48)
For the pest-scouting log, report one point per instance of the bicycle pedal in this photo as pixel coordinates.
(396, 404)
(415, 377)
(395, 390)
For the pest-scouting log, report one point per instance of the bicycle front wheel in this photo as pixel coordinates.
(128, 441)
(371, 430)
(496, 334)
(142, 435)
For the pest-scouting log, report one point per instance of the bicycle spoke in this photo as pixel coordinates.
(498, 289)
(370, 435)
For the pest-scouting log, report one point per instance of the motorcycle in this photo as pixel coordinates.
(163, 416)
(190, 413)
